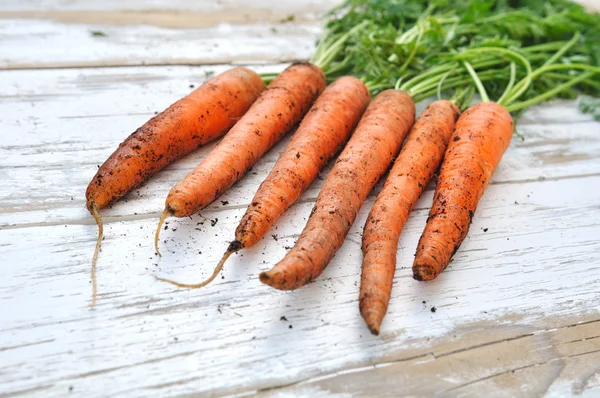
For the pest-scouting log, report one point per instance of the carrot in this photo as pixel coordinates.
(367, 155)
(285, 101)
(321, 134)
(482, 134)
(419, 159)
(202, 116)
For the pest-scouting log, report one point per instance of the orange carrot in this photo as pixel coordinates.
(367, 155)
(419, 159)
(279, 108)
(482, 134)
(321, 134)
(202, 116)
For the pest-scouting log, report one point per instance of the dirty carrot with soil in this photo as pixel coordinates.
(420, 157)
(202, 116)
(482, 135)
(319, 137)
(375, 142)
(279, 108)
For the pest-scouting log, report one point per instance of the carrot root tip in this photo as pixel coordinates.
(374, 329)
(373, 320)
(276, 279)
(94, 211)
(216, 272)
(424, 273)
(235, 246)
(167, 212)
(265, 278)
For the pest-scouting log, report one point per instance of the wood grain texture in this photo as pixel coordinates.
(37, 34)
(517, 361)
(205, 6)
(517, 312)
(532, 270)
(31, 44)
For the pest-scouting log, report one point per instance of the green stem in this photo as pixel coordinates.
(327, 56)
(268, 77)
(338, 67)
(462, 98)
(563, 49)
(425, 83)
(422, 95)
(434, 74)
(549, 94)
(478, 83)
(423, 76)
(469, 98)
(397, 85)
(524, 84)
(440, 85)
(511, 82)
(326, 41)
(413, 52)
(544, 69)
(451, 82)
(591, 83)
(408, 36)
(552, 46)
(372, 85)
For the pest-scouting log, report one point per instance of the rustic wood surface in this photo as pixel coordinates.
(517, 312)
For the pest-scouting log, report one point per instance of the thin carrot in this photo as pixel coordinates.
(367, 155)
(200, 117)
(321, 134)
(482, 134)
(280, 107)
(419, 159)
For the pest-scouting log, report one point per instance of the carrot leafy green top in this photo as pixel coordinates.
(509, 50)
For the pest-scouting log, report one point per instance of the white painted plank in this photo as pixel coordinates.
(538, 260)
(206, 6)
(213, 6)
(51, 116)
(44, 44)
(533, 268)
(60, 34)
(556, 362)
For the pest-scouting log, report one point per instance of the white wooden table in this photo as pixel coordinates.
(518, 311)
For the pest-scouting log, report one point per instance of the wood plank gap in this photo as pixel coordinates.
(176, 62)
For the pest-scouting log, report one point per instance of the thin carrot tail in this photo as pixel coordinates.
(167, 212)
(233, 247)
(94, 211)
